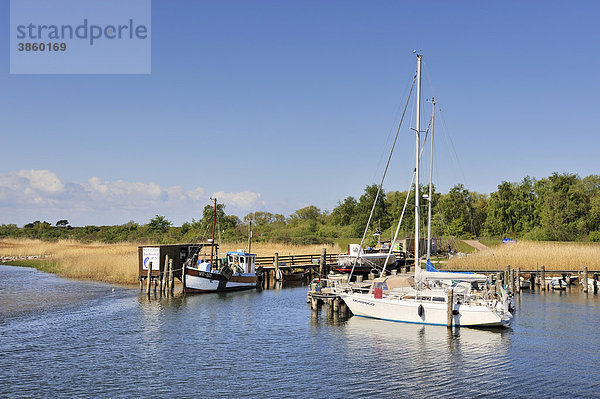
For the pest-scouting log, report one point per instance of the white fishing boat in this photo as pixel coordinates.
(431, 295)
(204, 274)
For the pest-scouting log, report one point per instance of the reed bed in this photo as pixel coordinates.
(532, 254)
(117, 263)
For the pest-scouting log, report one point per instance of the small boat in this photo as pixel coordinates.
(525, 284)
(362, 261)
(294, 276)
(238, 272)
(204, 274)
(557, 283)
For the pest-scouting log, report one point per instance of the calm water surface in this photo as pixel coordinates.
(62, 338)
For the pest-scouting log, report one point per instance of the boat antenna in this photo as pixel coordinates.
(250, 236)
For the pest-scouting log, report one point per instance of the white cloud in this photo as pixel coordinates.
(27, 195)
(242, 201)
(42, 181)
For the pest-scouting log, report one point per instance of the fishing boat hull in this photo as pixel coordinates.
(407, 311)
(198, 281)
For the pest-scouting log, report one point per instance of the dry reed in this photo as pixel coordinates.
(118, 263)
(532, 254)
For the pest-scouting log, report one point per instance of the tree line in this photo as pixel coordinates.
(561, 207)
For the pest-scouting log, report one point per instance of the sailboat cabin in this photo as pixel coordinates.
(241, 262)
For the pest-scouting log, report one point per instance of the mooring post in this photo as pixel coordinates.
(344, 309)
(519, 279)
(450, 308)
(532, 278)
(323, 264)
(276, 263)
(330, 305)
(498, 283)
(141, 283)
(171, 277)
(183, 277)
(543, 277)
(314, 303)
(336, 305)
(149, 279)
(512, 281)
(163, 275)
(507, 277)
(585, 279)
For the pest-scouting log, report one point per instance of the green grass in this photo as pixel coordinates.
(344, 242)
(39, 264)
(490, 242)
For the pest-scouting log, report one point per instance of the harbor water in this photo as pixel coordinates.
(64, 338)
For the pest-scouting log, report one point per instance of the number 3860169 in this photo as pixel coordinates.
(42, 46)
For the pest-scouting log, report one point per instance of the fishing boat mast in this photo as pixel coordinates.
(212, 247)
(429, 196)
(418, 141)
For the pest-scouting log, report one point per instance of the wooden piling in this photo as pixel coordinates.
(498, 283)
(163, 275)
(512, 281)
(518, 279)
(149, 279)
(543, 277)
(171, 277)
(450, 308)
(506, 279)
(343, 309)
(585, 279)
(323, 264)
(314, 303)
(276, 264)
(532, 278)
(183, 277)
(336, 305)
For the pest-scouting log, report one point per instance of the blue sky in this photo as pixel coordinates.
(277, 105)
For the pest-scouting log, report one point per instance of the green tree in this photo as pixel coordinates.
(344, 211)
(363, 210)
(159, 223)
(310, 212)
(457, 212)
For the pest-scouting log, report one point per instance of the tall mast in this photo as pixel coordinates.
(418, 141)
(429, 198)
(212, 247)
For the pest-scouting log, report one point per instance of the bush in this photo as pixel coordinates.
(594, 236)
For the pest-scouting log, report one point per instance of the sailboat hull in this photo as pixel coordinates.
(435, 313)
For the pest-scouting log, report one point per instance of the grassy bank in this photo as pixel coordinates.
(531, 254)
(114, 263)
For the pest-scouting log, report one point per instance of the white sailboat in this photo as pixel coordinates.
(424, 298)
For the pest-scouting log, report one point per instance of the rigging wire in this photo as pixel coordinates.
(383, 177)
